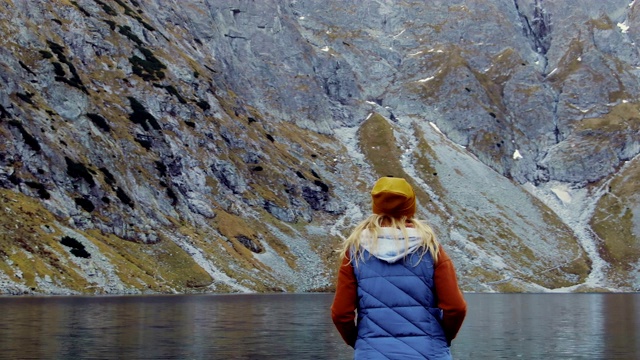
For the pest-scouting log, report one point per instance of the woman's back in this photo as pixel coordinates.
(399, 281)
(398, 317)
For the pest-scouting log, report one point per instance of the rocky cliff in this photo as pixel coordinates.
(228, 146)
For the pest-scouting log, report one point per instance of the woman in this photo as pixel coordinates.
(399, 280)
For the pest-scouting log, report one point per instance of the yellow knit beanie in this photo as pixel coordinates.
(393, 197)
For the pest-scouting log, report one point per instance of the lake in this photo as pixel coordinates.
(298, 326)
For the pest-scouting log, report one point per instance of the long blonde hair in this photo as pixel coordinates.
(374, 224)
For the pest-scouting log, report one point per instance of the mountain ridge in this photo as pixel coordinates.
(229, 146)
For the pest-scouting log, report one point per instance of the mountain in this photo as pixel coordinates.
(229, 146)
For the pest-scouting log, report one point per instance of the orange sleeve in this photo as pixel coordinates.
(449, 296)
(345, 302)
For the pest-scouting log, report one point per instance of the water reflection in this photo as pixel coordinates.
(296, 326)
(550, 326)
(170, 327)
(621, 329)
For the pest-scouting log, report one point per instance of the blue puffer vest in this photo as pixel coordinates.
(397, 314)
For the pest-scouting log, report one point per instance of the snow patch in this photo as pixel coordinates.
(435, 127)
(401, 32)
(427, 79)
(623, 27)
(562, 191)
(517, 155)
(325, 49)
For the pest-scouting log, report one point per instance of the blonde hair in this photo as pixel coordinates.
(374, 224)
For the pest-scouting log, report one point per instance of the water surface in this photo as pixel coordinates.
(298, 326)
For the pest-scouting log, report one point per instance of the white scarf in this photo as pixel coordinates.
(391, 243)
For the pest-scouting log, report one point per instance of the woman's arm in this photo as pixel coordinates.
(449, 296)
(343, 309)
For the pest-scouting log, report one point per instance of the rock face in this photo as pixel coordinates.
(229, 146)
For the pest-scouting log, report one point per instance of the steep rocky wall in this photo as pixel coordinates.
(232, 143)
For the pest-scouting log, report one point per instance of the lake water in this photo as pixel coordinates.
(298, 326)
